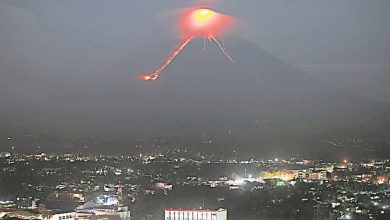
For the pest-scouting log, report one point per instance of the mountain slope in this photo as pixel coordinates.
(253, 104)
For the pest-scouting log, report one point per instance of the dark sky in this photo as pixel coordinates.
(62, 58)
(300, 32)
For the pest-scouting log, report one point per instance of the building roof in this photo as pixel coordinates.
(193, 210)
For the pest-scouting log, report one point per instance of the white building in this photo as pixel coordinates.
(5, 154)
(313, 175)
(319, 175)
(183, 214)
(61, 216)
(94, 211)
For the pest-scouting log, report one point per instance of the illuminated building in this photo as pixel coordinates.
(313, 175)
(5, 154)
(321, 175)
(285, 175)
(382, 180)
(183, 214)
(94, 211)
(162, 185)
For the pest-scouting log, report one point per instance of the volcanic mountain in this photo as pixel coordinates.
(259, 104)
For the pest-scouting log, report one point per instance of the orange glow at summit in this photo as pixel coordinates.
(203, 15)
(202, 22)
(197, 22)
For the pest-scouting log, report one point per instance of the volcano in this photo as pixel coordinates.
(259, 104)
(259, 87)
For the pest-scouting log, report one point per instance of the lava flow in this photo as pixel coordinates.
(197, 22)
(157, 73)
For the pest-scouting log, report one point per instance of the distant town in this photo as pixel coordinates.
(178, 185)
